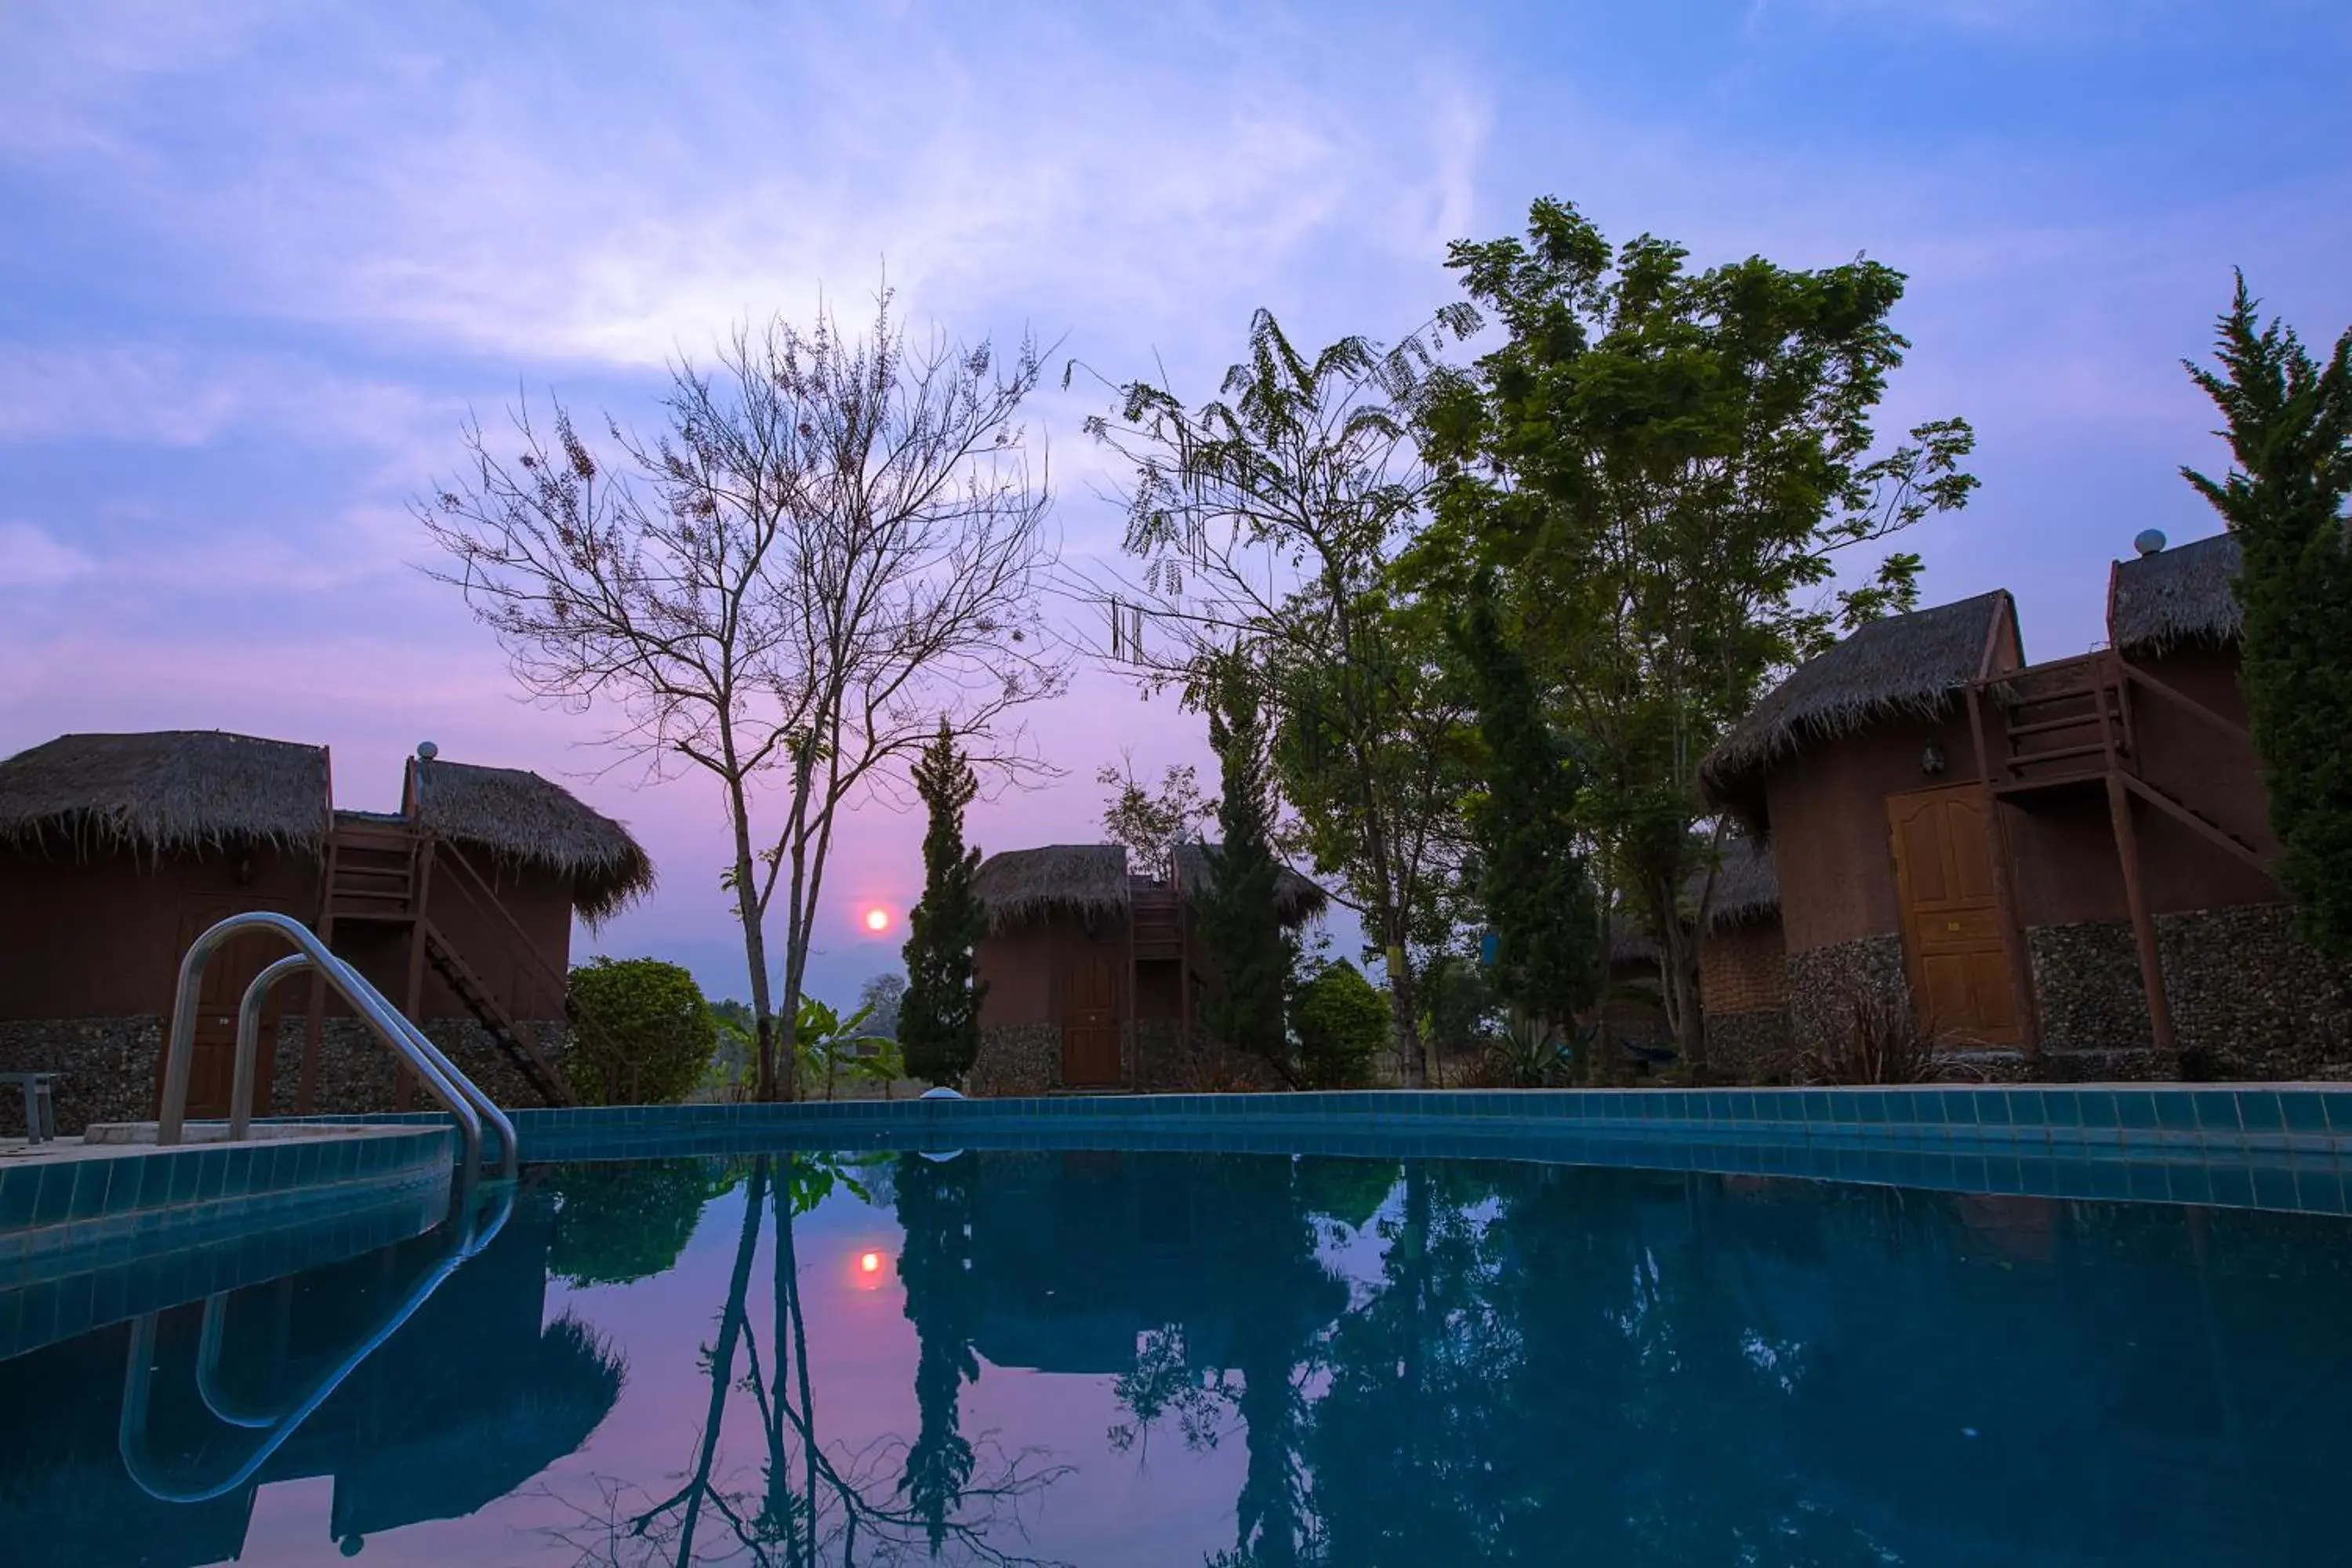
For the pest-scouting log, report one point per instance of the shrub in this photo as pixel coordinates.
(1881, 1041)
(653, 1035)
(1341, 1020)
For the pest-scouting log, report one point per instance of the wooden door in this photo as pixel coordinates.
(213, 1069)
(1091, 1024)
(1951, 920)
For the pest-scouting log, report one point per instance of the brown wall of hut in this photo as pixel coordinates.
(101, 936)
(1830, 848)
(1026, 968)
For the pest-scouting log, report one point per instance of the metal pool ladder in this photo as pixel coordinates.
(459, 1095)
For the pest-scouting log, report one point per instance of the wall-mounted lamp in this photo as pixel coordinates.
(1931, 760)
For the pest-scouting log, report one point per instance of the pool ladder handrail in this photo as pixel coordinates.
(466, 1242)
(459, 1095)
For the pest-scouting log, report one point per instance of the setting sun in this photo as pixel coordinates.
(878, 920)
(870, 1263)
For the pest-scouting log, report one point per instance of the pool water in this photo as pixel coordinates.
(1172, 1359)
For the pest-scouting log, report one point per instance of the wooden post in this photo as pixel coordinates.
(419, 882)
(2151, 964)
(2004, 886)
(314, 1029)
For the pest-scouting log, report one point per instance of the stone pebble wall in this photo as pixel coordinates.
(1750, 1046)
(107, 1067)
(1822, 980)
(2249, 999)
(1016, 1059)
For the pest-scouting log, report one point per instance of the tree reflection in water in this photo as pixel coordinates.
(884, 1503)
(1458, 1362)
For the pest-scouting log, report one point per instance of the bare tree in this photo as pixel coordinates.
(835, 542)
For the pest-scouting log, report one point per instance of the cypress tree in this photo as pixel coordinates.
(938, 1017)
(1532, 879)
(2289, 425)
(1240, 926)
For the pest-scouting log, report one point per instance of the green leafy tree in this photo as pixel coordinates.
(620, 1222)
(655, 1037)
(1266, 522)
(1152, 824)
(1240, 926)
(1341, 1021)
(2289, 425)
(1664, 467)
(938, 1017)
(1533, 880)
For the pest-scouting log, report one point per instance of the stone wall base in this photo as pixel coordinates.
(1749, 1047)
(1016, 1059)
(107, 1067)
(1822, 982)
(2250, 1001)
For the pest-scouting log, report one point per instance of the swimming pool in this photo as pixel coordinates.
(1114, 1356)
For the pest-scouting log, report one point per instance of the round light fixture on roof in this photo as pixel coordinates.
(2149, 542)
(427, 750)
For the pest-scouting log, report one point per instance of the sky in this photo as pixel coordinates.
(260, 262)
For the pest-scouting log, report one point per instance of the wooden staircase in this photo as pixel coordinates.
(381, 873)
(1156, 919)
(515, 1040)
(2070, 724)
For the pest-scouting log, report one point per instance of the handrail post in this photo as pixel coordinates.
(248, 1039)
(459, 1094)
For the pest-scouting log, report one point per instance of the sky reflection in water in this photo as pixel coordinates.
(1109, 1359)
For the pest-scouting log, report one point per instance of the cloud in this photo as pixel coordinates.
(574, 206)
(31, 559)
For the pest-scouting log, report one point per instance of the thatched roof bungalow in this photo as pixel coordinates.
(1991, 835)
(116, 850)
(1084, 956)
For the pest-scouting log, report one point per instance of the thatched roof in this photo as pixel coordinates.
(169, 791)
(521, 819)
(1296, 899)
(1091, 880)
(1903, 667)
(1746, 888)
(2176, 597)
(1019, 886)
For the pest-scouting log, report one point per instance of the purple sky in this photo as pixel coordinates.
(258, 261)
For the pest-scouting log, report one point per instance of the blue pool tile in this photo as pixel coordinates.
(2217, 1111)
(2232, 1184)
(2258, 1111)
(2061, 1107)
(2175, 1110)
(2134, 1108)
(2099, 1108)
(2321, 1192)
(2338, 1103)
(1993, 1109)
(2108, 1178)
(90, 1182)
(18, 1188)
(1961, 1106)
(2148, 1184)
(2305, 1112)
(54, 1200)
(2192, 1182)
(2274, 1187)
